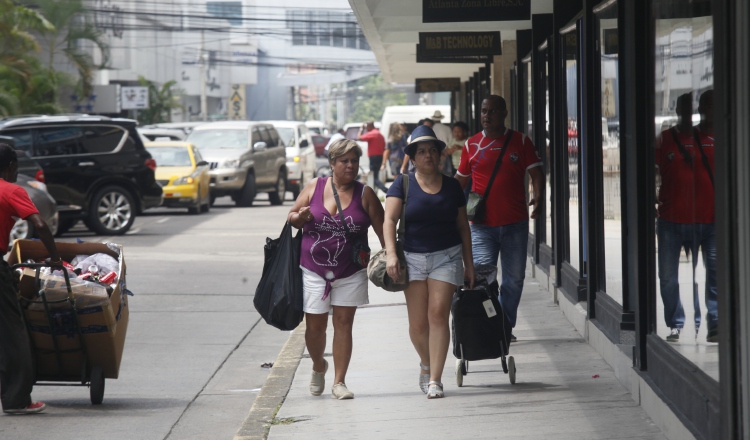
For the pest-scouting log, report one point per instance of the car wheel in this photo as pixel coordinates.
(207, 206)
(22, 230)
(198, 205)
(277, 197)
(112, 211)
(247, 193)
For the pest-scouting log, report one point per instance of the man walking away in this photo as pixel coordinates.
(442, 131)
(505, 228)
(16, 367)
(375, 149)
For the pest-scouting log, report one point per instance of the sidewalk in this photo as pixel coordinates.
(564, 389)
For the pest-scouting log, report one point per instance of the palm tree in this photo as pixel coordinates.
(15, 39)
(161, 102)
(71, 26)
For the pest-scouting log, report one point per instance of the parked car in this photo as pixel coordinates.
(300, 153)
(319, 143)
(244, 158)
(317, 127)
(182, 174)
(96, 168)
(44, 203)
(153, 134)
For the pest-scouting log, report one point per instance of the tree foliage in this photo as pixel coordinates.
(371, 96)
(161, 100)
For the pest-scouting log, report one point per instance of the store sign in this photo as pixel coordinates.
(430, 85)
(460, 43)
(432, 57)
(134, 98)
(454, 11)
(237, 108)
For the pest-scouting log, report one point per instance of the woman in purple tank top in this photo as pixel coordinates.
(330, 277)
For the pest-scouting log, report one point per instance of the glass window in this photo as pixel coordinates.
(684, 159)
(170, 156)
(22, 139)
(287, 135)
(571, 92)
(530, 134)
(265, 137)
(547, 157)
(218, 139)
(275, 139)
(610, 129)
(101, 139)
(256, 136)
(58, 141)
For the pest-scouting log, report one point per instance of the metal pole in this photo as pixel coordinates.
(203, 80)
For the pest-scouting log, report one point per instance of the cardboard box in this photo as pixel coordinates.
(103, 326)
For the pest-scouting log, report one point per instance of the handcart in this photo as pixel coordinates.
(77, 334)
(480, 328)
(90, 375)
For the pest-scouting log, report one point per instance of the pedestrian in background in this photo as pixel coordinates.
(442, 131)
(394, 153)
(330, 277)
(504, 232)
(437, 239)
(16, 362)
(375, 150)
(454, 148)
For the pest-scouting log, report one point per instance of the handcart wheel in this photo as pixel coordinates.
(512, 369)
(505, 365)
(459, 372)
(96, 387)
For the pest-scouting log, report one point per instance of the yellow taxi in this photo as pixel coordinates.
(182, 174)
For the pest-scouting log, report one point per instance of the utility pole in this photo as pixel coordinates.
(204, 80)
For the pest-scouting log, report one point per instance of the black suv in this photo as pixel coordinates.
(95, 167)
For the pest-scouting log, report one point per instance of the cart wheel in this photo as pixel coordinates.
(459, 373)
(512, 369)
(505, 365)
(96, 387)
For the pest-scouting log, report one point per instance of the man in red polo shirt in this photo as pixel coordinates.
(16, 367)
(685, 161)
(505, 228)
(375, 149)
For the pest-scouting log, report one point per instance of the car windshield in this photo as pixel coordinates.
(219, 138)
(170, 156)
(287, 135)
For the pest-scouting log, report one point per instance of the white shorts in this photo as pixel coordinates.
(347, 292)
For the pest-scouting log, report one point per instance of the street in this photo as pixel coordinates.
(191, 366)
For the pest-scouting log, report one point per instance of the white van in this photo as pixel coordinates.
(411, 115)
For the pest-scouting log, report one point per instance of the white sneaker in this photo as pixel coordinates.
(318, 381)
(341, 392)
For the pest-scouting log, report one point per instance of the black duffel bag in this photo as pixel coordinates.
(278, 297)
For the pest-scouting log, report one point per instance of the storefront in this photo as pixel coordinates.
(639, 110)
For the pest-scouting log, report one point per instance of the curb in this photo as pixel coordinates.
(257, 424)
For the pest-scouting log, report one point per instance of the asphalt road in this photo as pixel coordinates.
(191, 366)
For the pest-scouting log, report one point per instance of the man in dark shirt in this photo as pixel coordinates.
(16, 367)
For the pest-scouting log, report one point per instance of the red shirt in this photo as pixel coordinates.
(15, 204)
(686, 193)
(375, 143)
(507, 201)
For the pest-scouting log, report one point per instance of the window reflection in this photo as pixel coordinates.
(684, 157)
(571, 91)
(530, 134)
(608, 63)
(547, 158)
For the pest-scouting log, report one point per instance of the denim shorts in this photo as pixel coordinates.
(445, 265)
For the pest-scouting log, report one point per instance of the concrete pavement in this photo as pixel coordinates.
(564, 389)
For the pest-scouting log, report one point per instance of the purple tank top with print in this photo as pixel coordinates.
(326, 247)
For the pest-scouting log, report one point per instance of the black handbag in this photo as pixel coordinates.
(476, 203)
(278, 297)
(360, 250)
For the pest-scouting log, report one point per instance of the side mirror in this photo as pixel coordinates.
(303, 143)
(202, 163)
(259, 146)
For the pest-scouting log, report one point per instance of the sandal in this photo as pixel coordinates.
(435, 390)
(424, 379)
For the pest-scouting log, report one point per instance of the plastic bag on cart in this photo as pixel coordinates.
(86, 294)
(278, 297)
(103, 262)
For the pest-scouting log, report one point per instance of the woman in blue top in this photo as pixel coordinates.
(437, 238)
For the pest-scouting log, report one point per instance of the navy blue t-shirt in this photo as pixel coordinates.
(430, 218)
